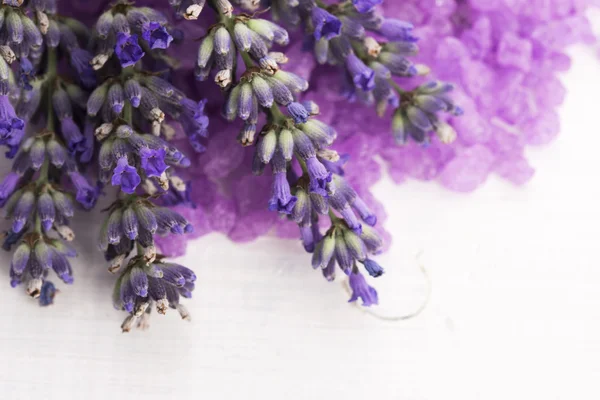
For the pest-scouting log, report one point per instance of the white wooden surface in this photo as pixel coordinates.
(514, 312)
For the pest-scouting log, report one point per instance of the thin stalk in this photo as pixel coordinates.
(128, 114)
(51, 71)
(247, 59)
(396, 87)
(276, 114)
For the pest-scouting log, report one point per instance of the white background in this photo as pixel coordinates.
(514, 311)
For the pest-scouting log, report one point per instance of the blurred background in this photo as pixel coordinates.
(514, 308)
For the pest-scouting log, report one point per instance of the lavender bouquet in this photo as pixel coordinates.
(123, 105)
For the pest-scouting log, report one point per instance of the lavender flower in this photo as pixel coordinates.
(364, 6)
(128, 50)
(325, 25)
(126, 176)
(156, 35)
(362, 290)
(10, 124)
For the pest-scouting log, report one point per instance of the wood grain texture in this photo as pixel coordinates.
(514, 313)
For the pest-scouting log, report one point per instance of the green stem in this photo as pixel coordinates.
(396, 87)
(140, 249)
(128, 114)
(43, 176)
(52, 63)
(277, 115)
(247, 59)
(334, 218)
(302, 165)
(38, 224)
(51, 71)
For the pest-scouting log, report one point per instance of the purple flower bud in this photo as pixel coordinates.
(258, 47)
(31, 34)
(307, 237)
(172, 275)
(104, 24)
(361, 289)
(146, 219)
(397, 64)
(114, 229)
(298, 112)
(71, 133)
(246, 101)
(362, 76)
(329, 270)
(86, 146)
(281, 94)
(96, 100)
(338, 202)
(170, 221)
(61, 266)
(429, 103)
(47, 294)
(80, 61)
(46, 211)
(139, 281)
(125, 176)
(303, 145)
(130, 223)
(22, 210)
(156, 289)
(293, 82)
(242, 36)
(262, 91)
(127, 294)
(319, 176)
(364, 6)
(53, 34)
(133, 90)
(153, 161)
(222, 41)
(116, 98)
(26, 73)
(20, 259)
(364, 211)
(419, 118)
(282, 200)
(62, 104)
(14, 27)
(319, 203)
(37, 153)
(325, 24)
(301, 211)
(86, 193)
(9, 122)
(373, 268)
(63, 204)
(396, 30)
(8, 185)
(156, 35)
(128, 50)
(120, 24)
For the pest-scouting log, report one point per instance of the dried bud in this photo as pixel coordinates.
(103, 131)
(223, 78)
(162, 306)
(116, 263)
(66, 233)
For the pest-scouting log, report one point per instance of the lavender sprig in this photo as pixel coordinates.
(34, 196)
(307, 186)
(131, 101)
(374, 52)
(45, 183)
